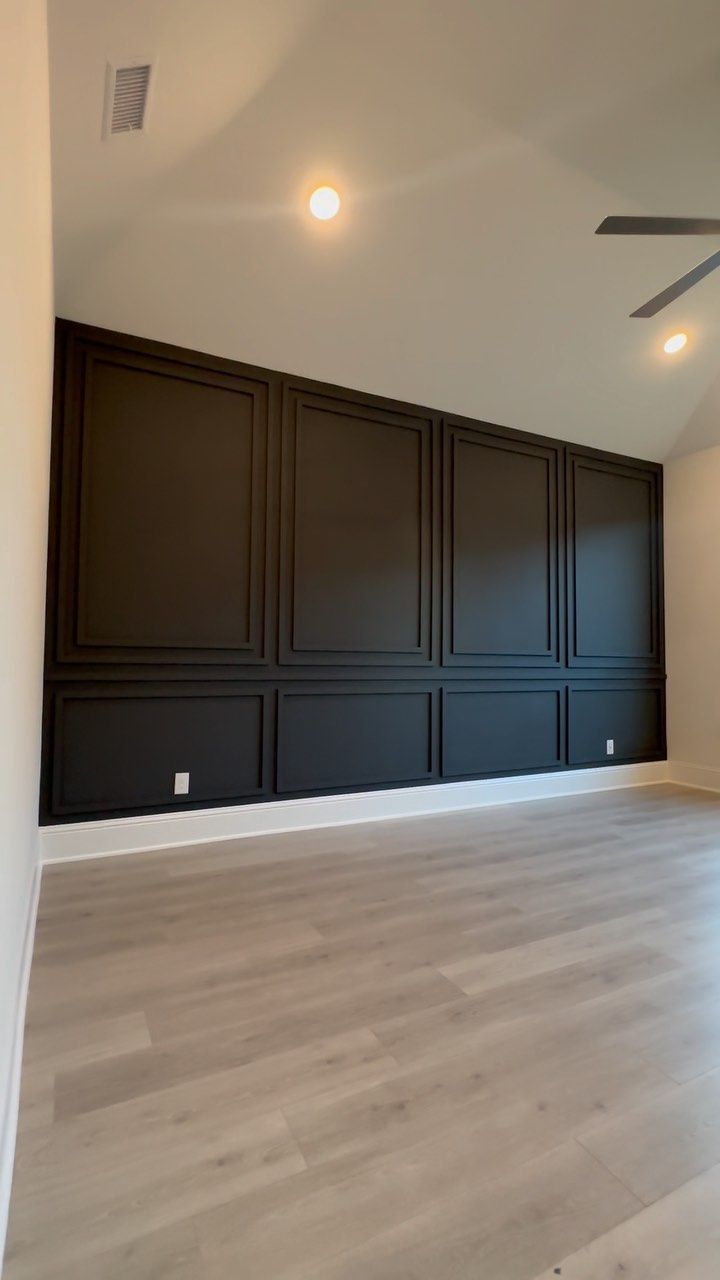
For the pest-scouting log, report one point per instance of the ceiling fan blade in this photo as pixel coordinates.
(679, 287)
(641, 226)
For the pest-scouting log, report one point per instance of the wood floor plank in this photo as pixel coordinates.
(334, 1210)
(156, 1178)
(63, 1047)
(243, 1041)
(171, 1253)
(663, 1143)
(465, 1090)
(333, 1068)
(684, 1047)
(677, 1238)
(509, 1228)
(590, 942)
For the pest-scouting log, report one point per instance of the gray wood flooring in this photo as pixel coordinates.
(483, 1046)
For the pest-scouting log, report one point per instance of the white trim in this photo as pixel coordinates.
(694, 775)
(78, 840)
(8, 1132)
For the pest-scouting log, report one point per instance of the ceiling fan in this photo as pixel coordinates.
(640, 226)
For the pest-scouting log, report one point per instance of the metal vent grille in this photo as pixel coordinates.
(129, 98)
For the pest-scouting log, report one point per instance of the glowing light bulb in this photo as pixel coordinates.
(324, 203)
(676, 343)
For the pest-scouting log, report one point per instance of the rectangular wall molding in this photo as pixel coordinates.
(501, 543)
(341, 737)
(632, 715)
(502, 728)
(614, 561)
(166, 461)
(127, 743)
(286, 589)
(356, 520)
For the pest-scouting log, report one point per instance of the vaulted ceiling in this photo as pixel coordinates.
(476, 144)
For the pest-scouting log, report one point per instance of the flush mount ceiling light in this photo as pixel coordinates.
(324, 203)
(675, 343)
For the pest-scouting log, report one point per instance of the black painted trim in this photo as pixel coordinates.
(356, 689)
(651, 473)
(158, 692)
(510, 687)
(455, 430)
(72, 643)
(271, 667)
(292, 652)
(612, 686)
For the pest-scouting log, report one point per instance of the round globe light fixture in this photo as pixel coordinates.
(675, 343)
(324, 203)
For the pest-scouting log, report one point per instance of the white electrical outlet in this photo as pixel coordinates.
(610, 747)
(182, 784)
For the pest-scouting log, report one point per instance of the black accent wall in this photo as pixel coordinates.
(286, 588)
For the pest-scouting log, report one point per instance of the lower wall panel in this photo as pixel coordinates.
(363, 737)
(632, 716)
(506, 730)
(121, 750)
(114, 749)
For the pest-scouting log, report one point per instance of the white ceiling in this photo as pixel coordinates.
(476, 144)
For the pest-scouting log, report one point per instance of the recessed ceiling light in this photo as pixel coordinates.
(676, 343)
(324, 203)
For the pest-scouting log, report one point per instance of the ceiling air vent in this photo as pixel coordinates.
(126, 96)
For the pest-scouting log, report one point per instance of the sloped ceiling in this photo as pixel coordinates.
(476, 144)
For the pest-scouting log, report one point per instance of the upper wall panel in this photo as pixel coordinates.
(210, 514)
(163, 510)
(614, 562)
(501, 549)
(356, 533)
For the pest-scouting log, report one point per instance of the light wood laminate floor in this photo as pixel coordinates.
(483, 1046)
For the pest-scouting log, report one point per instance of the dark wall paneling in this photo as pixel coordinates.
(356, 533)
(120, 750)
(632, 715)
(284, 587)
(163, 510)
(354, 737)
(489, 730)
(501, 549)
(614, 553)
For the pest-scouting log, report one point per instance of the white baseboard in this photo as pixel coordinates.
(694, 775)
(77, 840)
(9, 1116)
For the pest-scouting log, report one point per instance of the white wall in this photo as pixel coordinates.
(692, 560)
(26, 311)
